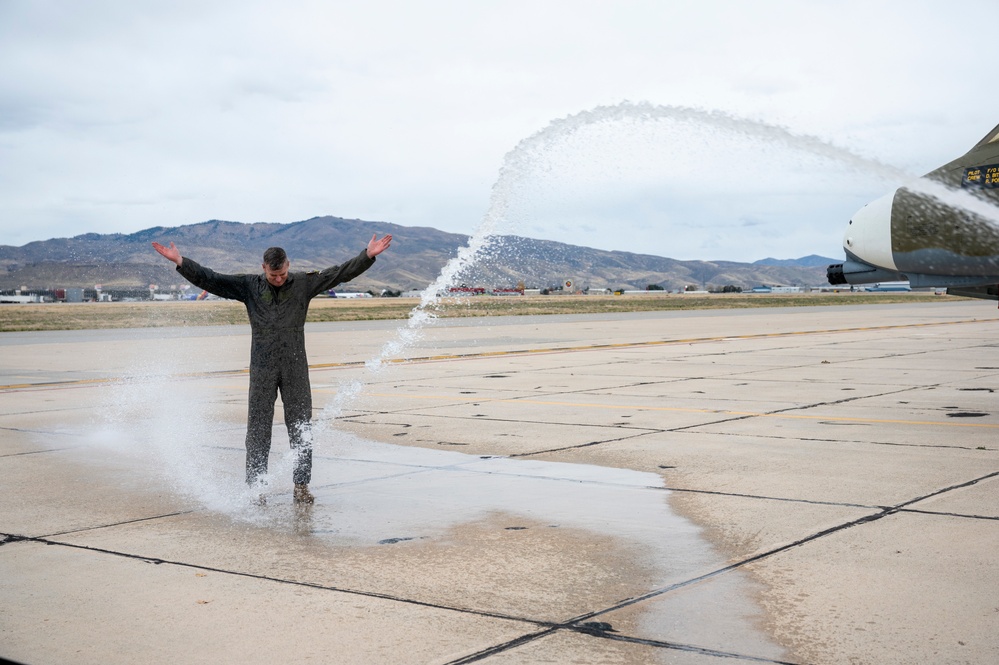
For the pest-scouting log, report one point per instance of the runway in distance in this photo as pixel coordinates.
(940, 231)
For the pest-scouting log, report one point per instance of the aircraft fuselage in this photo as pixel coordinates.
(940, 231)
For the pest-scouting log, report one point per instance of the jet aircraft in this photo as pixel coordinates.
(941, 230)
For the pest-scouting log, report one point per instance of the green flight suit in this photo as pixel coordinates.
(277, 354)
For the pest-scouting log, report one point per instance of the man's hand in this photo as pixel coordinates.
(173, 253)
(375, 247)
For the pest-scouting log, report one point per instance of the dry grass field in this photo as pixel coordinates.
(79, 316)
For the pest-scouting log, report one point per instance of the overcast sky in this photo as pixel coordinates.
(120, 116)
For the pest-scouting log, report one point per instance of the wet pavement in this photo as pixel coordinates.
(810, 485)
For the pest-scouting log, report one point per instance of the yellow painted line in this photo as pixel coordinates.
(665, 342)
(674, 409)
(56, 385)
(516, 352)
(53, 384)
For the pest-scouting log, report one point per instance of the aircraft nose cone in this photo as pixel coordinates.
(868, 235)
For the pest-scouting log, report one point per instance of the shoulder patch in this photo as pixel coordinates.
(312, 272)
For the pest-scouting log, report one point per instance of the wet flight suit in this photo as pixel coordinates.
(277, 353)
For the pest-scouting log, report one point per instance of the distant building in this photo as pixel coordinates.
(348, 294)
(890, 286)
(21, 299)
(776, 289)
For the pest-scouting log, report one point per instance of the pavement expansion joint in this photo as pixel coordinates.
(763, 497)
(7, 538)
(945, 514)
(114, 524)
(587, 445)
(778, 437)
(944, 490)
(373, 479)
(847, 400)
(25, 430)
(277, 580)
(37, 452)
(503, 646)
(611, 634)
(602, 630)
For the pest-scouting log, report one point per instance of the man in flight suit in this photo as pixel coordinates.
(277, 303)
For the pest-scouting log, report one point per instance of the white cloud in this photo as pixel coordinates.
(121, 116)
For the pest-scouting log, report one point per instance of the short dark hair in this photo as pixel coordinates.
(275, 258)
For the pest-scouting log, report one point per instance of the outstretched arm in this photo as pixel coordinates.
(170, 252)
(327, 279)
(376, 246)
(233, 287)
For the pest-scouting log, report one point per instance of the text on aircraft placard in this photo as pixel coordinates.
(981, 176)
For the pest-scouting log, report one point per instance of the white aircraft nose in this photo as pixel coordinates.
(868, 236)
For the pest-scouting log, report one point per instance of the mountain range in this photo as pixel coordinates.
(414, 260)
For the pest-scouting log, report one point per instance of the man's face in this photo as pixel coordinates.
(276, 277)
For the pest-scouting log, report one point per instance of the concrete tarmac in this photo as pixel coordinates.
(813, 485)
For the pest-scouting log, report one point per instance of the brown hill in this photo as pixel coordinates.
(415, 260)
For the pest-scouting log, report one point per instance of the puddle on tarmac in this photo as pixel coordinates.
(415, 502)
(607, 533)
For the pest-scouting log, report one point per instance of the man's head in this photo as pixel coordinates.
(276, 266)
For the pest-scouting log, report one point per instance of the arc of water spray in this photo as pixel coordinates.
(518, 162)
(953, 197)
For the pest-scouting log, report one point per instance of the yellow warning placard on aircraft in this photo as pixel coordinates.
(986, 176)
